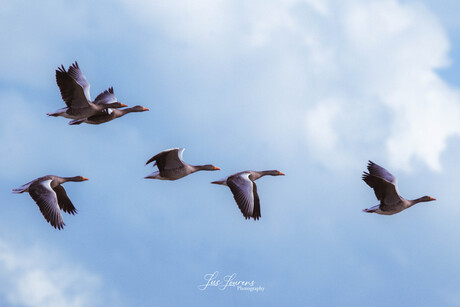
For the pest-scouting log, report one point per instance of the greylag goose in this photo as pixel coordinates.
(107, 115)
(244, 190)
(172, 167)
(384, 185)
(75, 93)
(50, 197)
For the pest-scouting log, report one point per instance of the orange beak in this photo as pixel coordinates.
(431, 198)
(145, 109)
(123, 105)
(216, 168)
(84, 179)
(282, 174)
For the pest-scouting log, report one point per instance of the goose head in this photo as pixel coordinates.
(427, 198)
(208, 167)
(80, 178)
(136, 109)
(421, 199)
(115, 105)
(273, 173)
(76, 178)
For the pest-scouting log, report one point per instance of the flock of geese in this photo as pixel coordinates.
(51, 197)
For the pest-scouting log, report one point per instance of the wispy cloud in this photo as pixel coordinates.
(35, 277)
(383, 54)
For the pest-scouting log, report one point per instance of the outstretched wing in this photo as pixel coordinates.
(384, 185)
(378, 171)
(245, 194)
(64, 201)
(73, 86)
(46, 199)
(106, 97)
(168, 159)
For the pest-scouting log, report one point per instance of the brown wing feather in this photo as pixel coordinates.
(46, 200)
(64, 201)
(73, 86)
(384, 190)
(245, 194)
(167, 160)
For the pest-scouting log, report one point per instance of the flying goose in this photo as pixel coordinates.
(75, 93)
(172, 167)
(107, 115)
(384, 185)
(50, 197)
(244, 190)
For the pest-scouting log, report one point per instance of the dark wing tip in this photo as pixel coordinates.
(365, 175)
(61, 69)
(72, 211)
(370, 164)
(111, 89)
(58, 226)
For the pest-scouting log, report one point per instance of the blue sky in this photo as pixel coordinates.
(313, 88)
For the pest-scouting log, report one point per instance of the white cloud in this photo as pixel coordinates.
(368, 56)
(371, 56)
(399, 48)
(34, 277)
(321, 130)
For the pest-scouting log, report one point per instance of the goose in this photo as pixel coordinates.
(384, 185)
(75, 93)
(244, 190)
(50, 196)
(172, 167)
(107, 115)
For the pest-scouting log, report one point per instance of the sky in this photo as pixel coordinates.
(313, 88)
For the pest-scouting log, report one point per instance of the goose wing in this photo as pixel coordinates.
(378, 171)
(384, 185)
(46, 199)
(73, 86)
(106, 97)
(64, 201)
(245, 193)
(168, 159)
